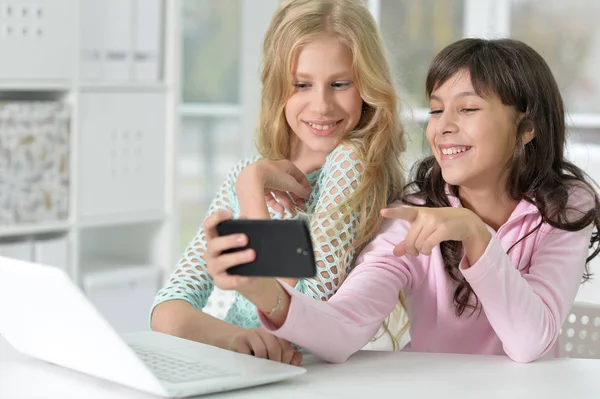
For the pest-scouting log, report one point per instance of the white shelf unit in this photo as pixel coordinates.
(115, 63)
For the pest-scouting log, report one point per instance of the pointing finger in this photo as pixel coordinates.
(407, 213)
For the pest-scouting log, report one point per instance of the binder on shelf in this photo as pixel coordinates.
(93, 23)
(147, 44)
(118, 40)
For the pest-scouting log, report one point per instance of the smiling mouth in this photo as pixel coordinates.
(323, 129)
(455, 150)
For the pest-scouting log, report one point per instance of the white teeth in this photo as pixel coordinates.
(321, 127)
(453, 150)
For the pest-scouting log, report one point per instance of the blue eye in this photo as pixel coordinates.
(300, 85)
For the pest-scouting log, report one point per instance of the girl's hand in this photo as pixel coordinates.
(258, 342)
(264, 292)
(430, 226)
(217, 263)
(283, 184)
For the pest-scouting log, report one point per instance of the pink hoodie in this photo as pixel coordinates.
(526, 295)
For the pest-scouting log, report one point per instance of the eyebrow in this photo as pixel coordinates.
(337, 75)
(459, 95)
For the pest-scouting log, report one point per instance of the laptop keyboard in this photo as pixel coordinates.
(173, 369)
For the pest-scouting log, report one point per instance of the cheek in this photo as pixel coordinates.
(292, 108)
(430, 135)
(351, 102)
(498, 144)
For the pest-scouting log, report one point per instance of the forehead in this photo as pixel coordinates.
(323, 55)
(458, 82)
(461, 83)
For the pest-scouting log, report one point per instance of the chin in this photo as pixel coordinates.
(323, 149)
(323, 144)
(453, 179)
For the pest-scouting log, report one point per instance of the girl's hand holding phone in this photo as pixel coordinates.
(218, 262)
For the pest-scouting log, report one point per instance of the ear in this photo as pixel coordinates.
(528, 132)
(528, 129)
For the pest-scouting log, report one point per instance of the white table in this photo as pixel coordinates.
(367, 375)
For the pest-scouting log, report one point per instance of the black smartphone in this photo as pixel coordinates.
(283, 247)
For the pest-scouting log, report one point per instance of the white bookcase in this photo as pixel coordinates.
(111, 68)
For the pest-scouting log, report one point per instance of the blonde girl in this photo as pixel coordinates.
(329, 142)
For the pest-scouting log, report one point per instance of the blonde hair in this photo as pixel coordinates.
(379, 129)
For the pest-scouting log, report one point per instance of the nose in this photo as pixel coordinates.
(322, 101)
(447, 123)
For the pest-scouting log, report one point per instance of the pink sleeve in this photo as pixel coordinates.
(527, 311)
(336, 329)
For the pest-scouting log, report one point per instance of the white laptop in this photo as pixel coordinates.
(45, 315)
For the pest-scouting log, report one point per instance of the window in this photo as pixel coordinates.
(211, 51)
(414, 32)
(567, 35)
(210, 112)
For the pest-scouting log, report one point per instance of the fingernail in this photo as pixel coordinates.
(241, 239)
